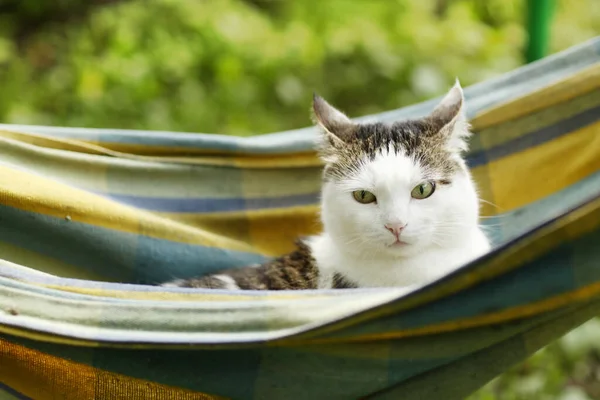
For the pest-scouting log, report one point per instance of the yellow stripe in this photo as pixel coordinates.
(275, 232)
(522, 178)
(586, 81)
(171, 296)
(255, 226)
(271, 231)
(33, 193)
(42, 376)
(525, 177)
(51, 142)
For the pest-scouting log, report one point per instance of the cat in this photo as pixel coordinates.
(398, 207)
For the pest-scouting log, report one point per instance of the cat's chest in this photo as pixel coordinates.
(419, 269)
(384, 272)
(400, 272)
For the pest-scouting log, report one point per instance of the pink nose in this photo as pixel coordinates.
(396, 228)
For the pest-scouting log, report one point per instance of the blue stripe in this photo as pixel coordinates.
(119, 256)
(535, 138)
(199, 205)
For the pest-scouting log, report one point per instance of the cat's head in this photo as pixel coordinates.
(396, 189)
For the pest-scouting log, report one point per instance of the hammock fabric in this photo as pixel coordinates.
(83, 210)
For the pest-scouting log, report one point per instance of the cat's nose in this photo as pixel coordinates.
(395, 228)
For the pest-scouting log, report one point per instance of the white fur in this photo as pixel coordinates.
(173, 283)
(228, 281)
(442, 231)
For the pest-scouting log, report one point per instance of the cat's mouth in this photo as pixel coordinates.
(398, 243)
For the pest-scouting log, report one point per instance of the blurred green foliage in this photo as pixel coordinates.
(249, 66)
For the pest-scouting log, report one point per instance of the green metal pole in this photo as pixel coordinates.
(539, 18)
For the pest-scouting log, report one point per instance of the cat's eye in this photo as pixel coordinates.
(423, 190)
(364, 197)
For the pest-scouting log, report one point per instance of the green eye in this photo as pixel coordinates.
(364, 197)
(423, 191)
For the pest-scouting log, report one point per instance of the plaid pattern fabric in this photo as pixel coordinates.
(84, 210)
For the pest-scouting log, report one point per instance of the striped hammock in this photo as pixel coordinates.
(84, 210)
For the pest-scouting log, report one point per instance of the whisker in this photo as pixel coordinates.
(354, 240)
(490, 203)
(493, 216)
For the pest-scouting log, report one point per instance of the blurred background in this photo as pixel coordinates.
(246, 67)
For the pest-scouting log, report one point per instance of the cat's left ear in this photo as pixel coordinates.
(449, 119)
(336, 126)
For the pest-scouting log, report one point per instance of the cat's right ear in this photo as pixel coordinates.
(336, 126)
